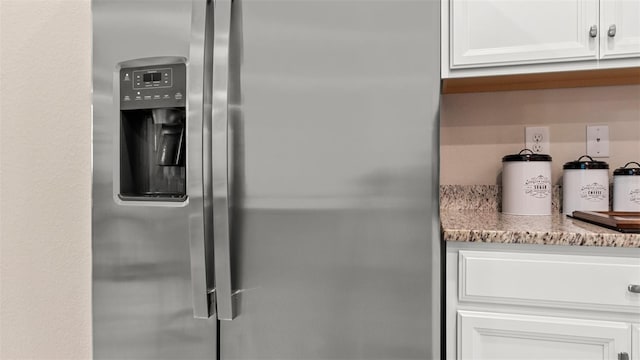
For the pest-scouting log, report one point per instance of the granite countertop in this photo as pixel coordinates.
(557, 229)
(471, 213)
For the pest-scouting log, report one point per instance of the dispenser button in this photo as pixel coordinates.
(156, 97)
(166, 96)
(127, 98)
(138, 98)
(147, 97)
(178, 96)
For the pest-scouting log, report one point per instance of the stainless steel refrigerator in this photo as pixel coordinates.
(265, 179)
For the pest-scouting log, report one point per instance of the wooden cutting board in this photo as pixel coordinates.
(625, 221)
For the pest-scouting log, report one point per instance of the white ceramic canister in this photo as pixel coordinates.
(526, 184)
(585, 186)
(626, 188)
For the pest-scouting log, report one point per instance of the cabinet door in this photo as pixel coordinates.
(620, 24)
(498, 32)
(483, 335)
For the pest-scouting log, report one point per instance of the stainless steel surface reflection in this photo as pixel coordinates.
(333, 183)
(348, 284)
(335, 237)
(142, 303)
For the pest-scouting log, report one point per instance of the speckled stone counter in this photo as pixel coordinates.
(471, 213)
(557, 229)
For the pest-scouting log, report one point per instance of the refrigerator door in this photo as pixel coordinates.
(143, 294)
(333, 125)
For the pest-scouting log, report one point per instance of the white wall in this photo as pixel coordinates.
(477, 130)
(45, 175)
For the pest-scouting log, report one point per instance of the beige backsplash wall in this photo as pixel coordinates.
(478, 129)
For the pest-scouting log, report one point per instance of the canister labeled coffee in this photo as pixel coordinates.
(526, 183)
(585, 185)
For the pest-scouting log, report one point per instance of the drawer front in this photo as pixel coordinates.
(570, 281)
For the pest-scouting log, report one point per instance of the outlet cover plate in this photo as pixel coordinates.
(537, 139)
(598, 140)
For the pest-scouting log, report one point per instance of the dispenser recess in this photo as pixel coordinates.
(152, 130)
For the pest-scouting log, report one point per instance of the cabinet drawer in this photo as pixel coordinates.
(570, 281)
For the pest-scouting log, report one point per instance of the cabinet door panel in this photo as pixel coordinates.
(484, 335)
(625, 16)
(498, 32)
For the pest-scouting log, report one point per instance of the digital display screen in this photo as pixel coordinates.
(151, 77)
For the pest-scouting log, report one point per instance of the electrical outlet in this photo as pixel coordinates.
(598, 140)
(537, 139)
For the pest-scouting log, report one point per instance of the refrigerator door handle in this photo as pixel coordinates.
(220, 140)
(199, 160)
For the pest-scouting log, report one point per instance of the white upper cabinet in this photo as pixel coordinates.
(501, 37)
(511, 32)
(620, 23)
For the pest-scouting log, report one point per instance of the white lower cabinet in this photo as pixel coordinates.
(541, 302)
(484, 335)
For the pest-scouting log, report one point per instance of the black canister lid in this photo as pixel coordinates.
(628, 171)
(589, 164)
(526, 157)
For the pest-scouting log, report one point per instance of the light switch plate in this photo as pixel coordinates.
(598, 140)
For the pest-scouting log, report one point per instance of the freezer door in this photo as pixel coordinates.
(143, 293)
(333, 128)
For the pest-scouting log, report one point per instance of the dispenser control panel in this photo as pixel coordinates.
(152, 78)
(151, 87)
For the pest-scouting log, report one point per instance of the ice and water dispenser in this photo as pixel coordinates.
(152, 131)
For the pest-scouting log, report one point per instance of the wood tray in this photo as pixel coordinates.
(624, 221)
